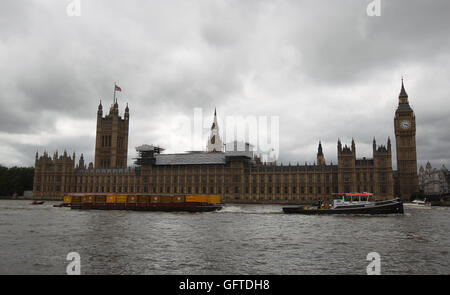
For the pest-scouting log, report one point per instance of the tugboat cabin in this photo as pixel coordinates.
(348, 199)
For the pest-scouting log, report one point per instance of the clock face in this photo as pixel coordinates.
(405, 124)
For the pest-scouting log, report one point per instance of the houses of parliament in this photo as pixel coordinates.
(238, 175)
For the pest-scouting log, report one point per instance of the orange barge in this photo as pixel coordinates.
(168, 203)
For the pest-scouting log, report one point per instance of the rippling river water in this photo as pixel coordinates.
(240, 239)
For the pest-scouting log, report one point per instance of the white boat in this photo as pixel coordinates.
(418, 203)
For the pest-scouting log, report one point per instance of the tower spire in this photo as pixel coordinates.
(214, 141)
(403, 97)
(319, 149)
(320, 156)
(214, 124)
(100, 109)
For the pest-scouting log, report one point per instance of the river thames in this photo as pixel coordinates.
(240, 239)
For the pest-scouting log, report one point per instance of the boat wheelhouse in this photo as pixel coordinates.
(350, 199)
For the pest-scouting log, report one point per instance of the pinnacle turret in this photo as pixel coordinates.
(319, 149)
(320, 157)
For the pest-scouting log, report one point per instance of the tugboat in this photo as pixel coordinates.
(350, 203)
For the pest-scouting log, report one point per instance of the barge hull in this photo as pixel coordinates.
(391, 208)
(167, 207)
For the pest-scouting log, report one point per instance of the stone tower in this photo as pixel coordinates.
(320, 156)
(214, 141)
(111, 144)
(405, 137)
(383, 181)
(346, 168)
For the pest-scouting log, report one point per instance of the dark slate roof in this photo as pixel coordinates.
(404, 108)
(198, 158)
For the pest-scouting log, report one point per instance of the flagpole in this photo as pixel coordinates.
(114, 101)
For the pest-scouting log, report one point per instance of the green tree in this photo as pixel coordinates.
(15, 180)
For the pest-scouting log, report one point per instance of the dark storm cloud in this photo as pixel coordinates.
(347, 46)
(325, 68)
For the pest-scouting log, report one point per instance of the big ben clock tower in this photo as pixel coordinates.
(405, 137)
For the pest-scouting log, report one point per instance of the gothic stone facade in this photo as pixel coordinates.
(237, 177)
(434, 181)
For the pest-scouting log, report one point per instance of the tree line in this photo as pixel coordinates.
(15, 180)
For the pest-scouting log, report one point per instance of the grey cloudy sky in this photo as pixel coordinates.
(326, 68)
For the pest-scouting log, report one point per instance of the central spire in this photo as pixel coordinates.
(214, 141)
(214, 124)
